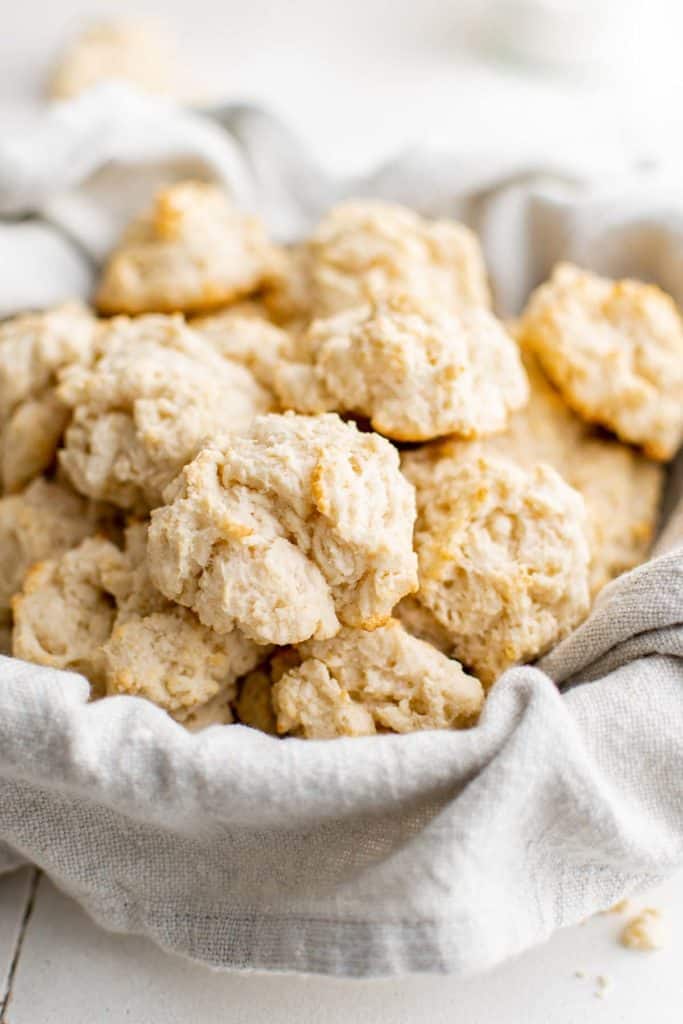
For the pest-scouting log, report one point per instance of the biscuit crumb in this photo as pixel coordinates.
(619, 908)
(604, 985)
(645, 931)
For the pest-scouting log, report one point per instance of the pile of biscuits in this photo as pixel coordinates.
(321, 489)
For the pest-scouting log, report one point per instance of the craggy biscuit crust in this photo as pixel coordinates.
(63, 615)
(360, 682)
(621, 487)
(288, 569)
(170, 658)
(415, 373)
(287, 293)
(161, 651)
(34, 348)
(41, 522)
(622, 490)
(364, 250)
(193, 252)
(420, 622)
(154, 393)
(95, 610)
(614, 349)
(243, 335)
(503, 557)
(290, 529)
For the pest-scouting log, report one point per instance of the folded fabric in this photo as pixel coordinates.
(436, 851)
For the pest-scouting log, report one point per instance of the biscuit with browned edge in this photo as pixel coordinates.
(415, 372)
(288, 530)
(503, 557)
(363, 250)
(34, 347)
(359, 683)
(614, 349)
(154, 394)
(192, 252)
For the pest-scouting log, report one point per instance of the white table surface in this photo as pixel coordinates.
(71, 972)
(358, 79)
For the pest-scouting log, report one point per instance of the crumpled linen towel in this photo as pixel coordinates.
(441, 851)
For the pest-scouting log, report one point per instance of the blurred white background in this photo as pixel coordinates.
(360, 78)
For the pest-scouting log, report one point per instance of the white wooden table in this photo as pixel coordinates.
(68, 971)
(358, 79)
